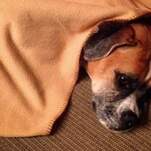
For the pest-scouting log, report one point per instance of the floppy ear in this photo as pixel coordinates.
(107, 39)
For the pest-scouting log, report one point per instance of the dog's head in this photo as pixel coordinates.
(118, 63)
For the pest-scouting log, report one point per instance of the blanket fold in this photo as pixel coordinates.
(40, 48)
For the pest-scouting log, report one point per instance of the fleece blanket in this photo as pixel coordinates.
(40, 47)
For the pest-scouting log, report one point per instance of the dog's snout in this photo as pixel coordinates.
(129, 119)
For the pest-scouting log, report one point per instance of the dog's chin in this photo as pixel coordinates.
(115, 128)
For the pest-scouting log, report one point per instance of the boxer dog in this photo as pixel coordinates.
(118, 62)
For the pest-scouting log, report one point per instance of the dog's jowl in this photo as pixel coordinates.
(118, 63)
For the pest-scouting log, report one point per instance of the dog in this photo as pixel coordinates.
(117, 59)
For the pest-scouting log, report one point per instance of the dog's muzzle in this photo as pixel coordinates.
(119, 115)
(109, 117)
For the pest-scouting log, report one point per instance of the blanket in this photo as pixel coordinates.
(40, 47)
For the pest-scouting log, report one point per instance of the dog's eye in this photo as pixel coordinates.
(126, 83)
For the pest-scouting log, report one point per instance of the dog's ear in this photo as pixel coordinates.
(107, 39)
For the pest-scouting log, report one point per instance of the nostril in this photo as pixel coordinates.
(94, 105)
(129, 119)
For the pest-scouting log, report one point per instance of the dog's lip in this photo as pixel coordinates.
(117, 129)
(106, 125)
(103, 123)
(121, 130)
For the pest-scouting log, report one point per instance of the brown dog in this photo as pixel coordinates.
(118, 63)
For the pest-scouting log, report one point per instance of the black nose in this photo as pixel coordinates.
(129, 119)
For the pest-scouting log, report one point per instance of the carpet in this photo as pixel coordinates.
(79, 130)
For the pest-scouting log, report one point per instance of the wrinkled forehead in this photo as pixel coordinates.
(129, 59)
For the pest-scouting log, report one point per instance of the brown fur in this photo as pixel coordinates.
(132, 60)
(119, 107)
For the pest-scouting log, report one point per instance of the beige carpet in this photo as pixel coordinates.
(79, 130)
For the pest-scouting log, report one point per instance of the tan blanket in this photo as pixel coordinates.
(40, 46)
